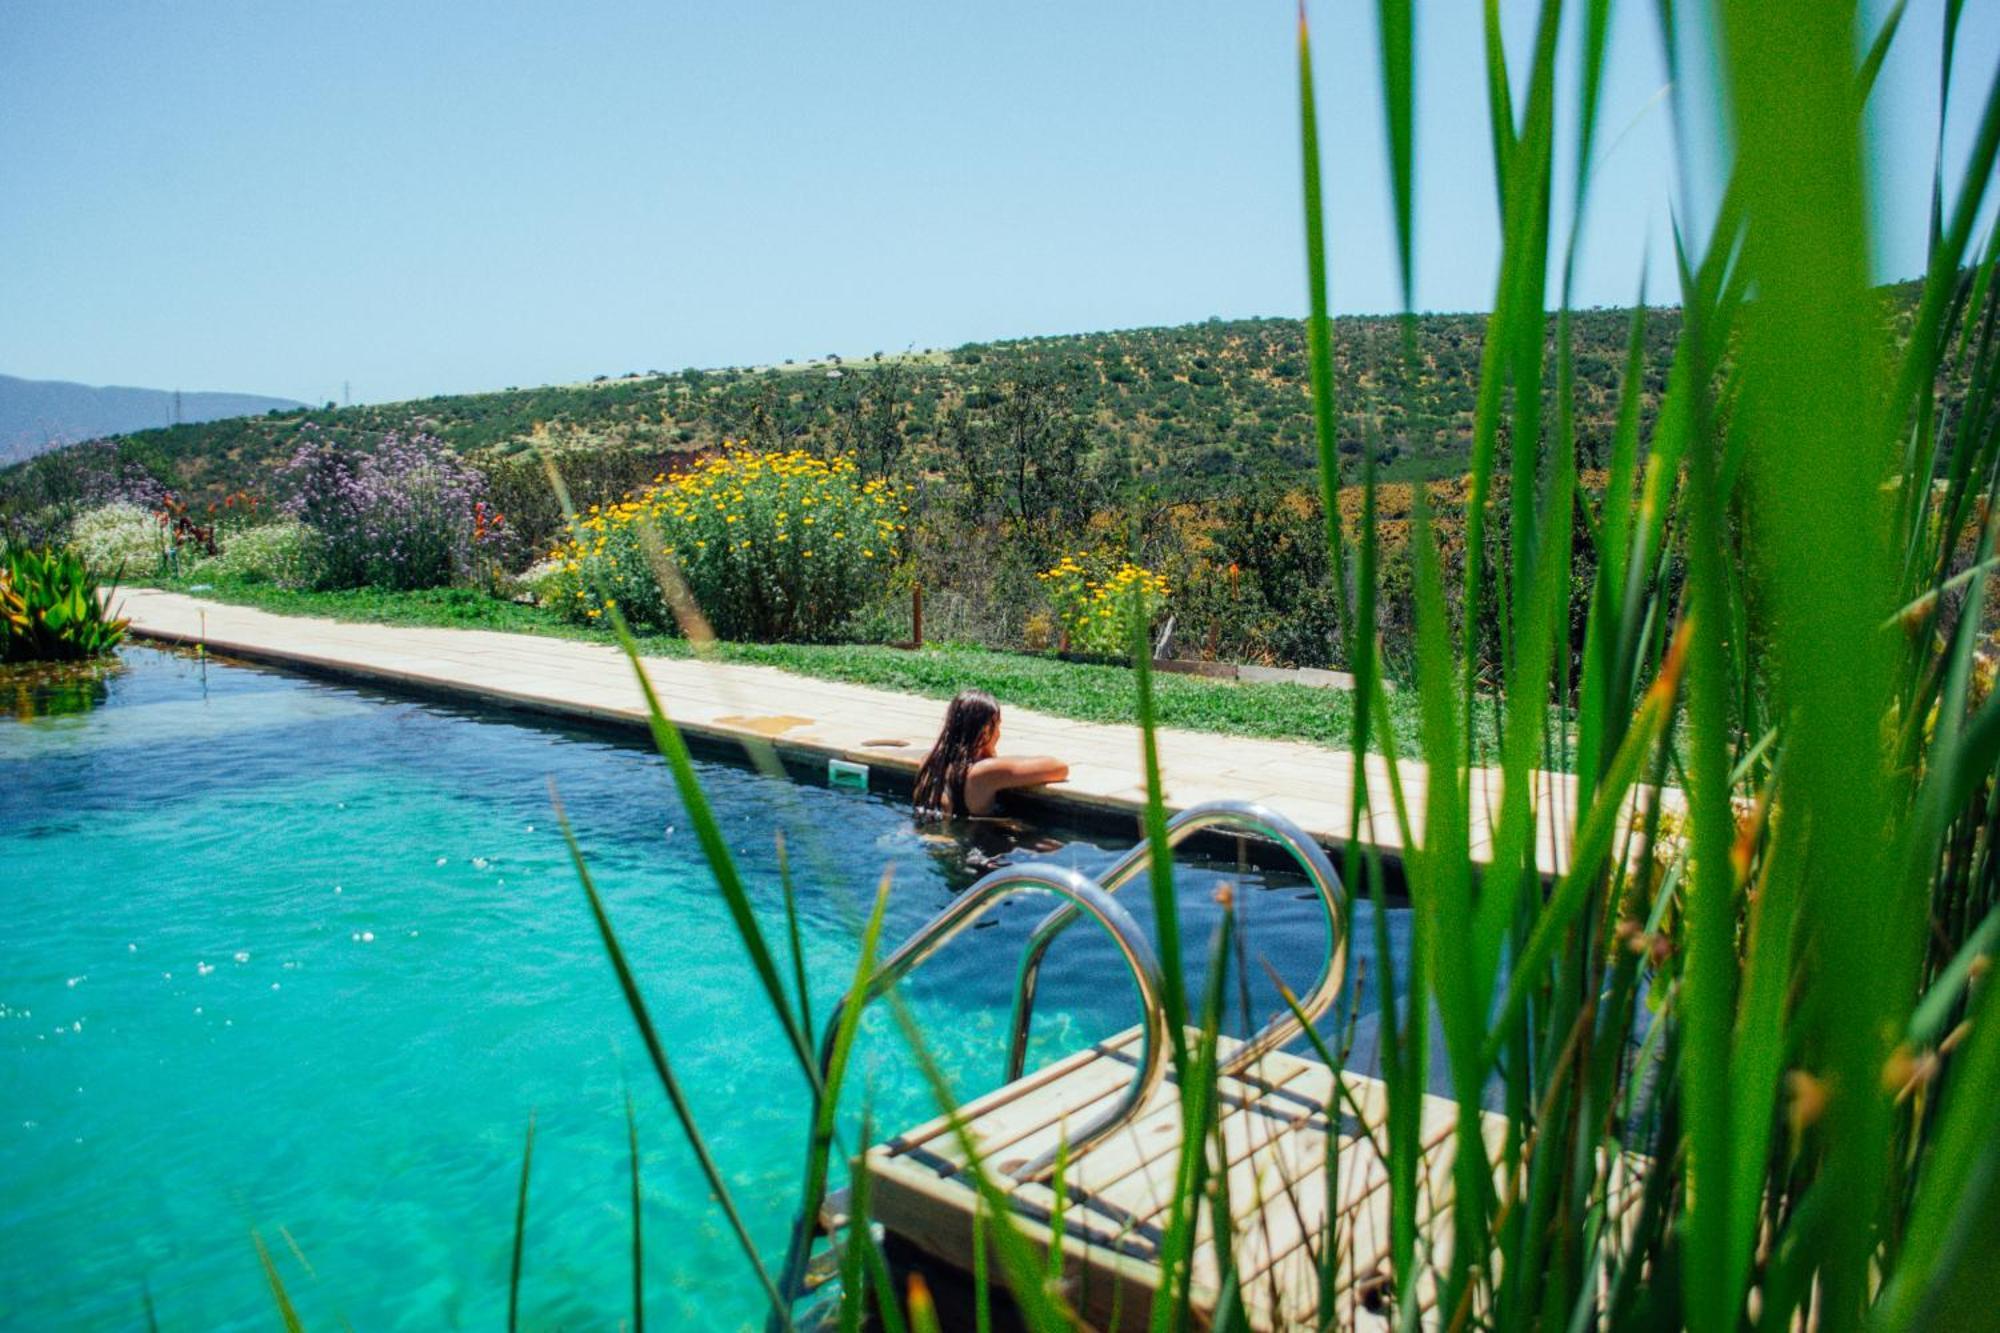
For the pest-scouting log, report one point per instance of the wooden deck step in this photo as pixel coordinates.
(1276, 1131)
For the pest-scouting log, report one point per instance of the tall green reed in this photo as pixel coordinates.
(1741, 1041)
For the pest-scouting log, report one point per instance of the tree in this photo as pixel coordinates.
(874, 427)
(1020, 456)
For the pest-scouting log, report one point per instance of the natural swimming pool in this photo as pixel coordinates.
(286, 957)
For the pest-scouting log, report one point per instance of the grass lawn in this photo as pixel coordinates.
(1081, 691)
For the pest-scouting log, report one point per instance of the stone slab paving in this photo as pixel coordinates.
(814, 719)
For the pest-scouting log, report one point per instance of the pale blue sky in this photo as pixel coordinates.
(430, 197)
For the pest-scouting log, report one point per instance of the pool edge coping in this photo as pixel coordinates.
(802, 759)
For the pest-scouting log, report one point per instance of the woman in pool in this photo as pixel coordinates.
(962, 774)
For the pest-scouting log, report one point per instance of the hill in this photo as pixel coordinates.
(36, 415)
(1187, 408)
(1187, 412)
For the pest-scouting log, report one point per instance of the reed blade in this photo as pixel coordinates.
(656, 1051)
(287, 1315)
(708, 830)
(638, 1237)
(520, 1228)
(1319, 332)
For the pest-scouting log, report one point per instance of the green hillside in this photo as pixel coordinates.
(1181, 406)
(1031, 434)
(1188, 450)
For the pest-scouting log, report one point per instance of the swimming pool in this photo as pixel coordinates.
(294, 959)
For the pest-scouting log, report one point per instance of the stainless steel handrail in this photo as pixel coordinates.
(1252, 818)
(1082, 896)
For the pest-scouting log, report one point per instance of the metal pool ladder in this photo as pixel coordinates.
(1084, 896)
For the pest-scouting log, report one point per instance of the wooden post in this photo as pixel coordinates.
(916, 615)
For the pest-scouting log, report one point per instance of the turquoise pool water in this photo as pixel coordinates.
(283, 958)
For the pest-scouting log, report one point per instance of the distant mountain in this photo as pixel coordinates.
(40, 414)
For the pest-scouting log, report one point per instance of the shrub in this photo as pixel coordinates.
(594, 472)
(52, 608)
(773, 546)
(119, 536)
(401, 517)
(547, 583)
(1095, 603)
(269, 553)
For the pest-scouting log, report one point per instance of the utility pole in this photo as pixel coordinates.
(177, 407)
(346, 393)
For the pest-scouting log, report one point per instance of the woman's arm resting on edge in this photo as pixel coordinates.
(989, 777)
(1021, 770)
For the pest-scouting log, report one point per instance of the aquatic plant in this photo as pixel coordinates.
(53, 608)
(772, 546)
(402, 515)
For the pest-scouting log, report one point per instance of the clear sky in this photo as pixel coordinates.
(428, 197)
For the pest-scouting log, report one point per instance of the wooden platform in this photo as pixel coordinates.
(1276, 1127)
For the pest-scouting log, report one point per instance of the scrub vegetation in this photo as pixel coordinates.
(1189, 451)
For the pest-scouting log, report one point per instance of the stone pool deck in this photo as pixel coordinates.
(810, 719)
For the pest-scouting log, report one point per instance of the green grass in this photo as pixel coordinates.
(1080, 691)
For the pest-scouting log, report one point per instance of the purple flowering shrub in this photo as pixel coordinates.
(401, 516)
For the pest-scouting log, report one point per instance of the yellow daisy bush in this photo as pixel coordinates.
(1094, 599)
(774, 545)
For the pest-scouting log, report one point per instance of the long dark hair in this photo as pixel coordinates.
(967, 723)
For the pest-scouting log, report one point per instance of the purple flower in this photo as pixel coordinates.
(398, 516)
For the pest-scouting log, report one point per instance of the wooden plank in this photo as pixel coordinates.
(1043, 1078)
(1133, 1176)
(1279, 1193)
(1008, 1151)
(935, 1215)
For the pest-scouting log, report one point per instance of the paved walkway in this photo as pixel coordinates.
(885, 730)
